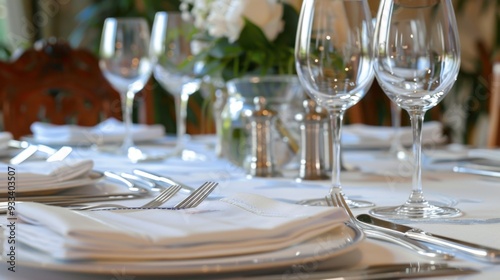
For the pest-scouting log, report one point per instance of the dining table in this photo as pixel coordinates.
(372, 175)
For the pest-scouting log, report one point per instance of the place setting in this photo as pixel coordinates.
(240, 233)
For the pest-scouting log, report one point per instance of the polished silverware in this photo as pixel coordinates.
(24, 155)
(473, 250)
(151, 185)
(130, 185)
(163, 179)
(336, 199)
(382, 271)
(197, 196)
(29, 150)
(158, 200)
(476, 171)
(60, 154)
(193, 200)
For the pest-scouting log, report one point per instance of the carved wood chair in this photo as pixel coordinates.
(52, 82)
(494, 107)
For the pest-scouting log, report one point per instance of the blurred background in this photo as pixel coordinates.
(464, 112)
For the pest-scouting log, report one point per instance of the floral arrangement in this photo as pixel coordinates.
(244, 37)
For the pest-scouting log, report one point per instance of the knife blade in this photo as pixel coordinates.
(476, 171)
(383, 271)
(476, 251)
(23, 155)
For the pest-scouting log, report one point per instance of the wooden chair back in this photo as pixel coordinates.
(52, 82)
(494, 107)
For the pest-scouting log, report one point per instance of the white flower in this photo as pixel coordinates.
(226, 18)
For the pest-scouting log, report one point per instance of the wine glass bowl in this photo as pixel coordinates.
(333, 55)
(173, 50)
(417, 59)
(126, 64)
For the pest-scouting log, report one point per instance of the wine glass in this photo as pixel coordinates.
(333, 57)
(126, 64)
(172, 45)
(417, 59)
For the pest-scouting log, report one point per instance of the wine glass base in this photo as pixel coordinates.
(408, 211)
(136, 155)
(398, 153)
(187, 155)
(322, 202)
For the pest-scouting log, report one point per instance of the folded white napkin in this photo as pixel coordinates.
(489, 154)
(5, 137)
(37, 175)
(361, 135)
(240, 224)
(108, 131)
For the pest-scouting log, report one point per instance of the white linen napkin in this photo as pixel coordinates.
(108, 131)
(361, 135)
(240, 224)
(36, 175)
(489, 154)
(5, 137)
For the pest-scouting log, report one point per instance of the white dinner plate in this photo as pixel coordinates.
(52, 188)
(339, 241)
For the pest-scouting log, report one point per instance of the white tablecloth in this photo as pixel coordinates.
(381, 180)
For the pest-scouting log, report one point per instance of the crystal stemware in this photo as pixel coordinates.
(334, 63)
(172, 45)
(126, 64)
(417, 59)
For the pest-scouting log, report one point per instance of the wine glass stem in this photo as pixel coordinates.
(336, 118)
(181, 102)
(127, 105)
(417, 120)
(396, 125)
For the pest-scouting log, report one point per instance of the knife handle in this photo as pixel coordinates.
(471, 249)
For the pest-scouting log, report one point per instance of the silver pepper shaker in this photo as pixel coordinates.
(261, 140)
(311, 134)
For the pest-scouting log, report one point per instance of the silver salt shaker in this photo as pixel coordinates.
(261, 140)
(311, 136)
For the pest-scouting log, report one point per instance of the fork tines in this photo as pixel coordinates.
(196, 197)
(165, 195)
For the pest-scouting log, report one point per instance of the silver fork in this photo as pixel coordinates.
(336, 199)
(196, 197)
(191, 201)
(161, 198)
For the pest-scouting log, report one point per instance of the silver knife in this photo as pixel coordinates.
(476, 171)
(24, 155)
(476, 251)
(385, 271)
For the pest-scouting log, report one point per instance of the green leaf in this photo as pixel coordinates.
(223, 49)
(291, 19)
(252, 37)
